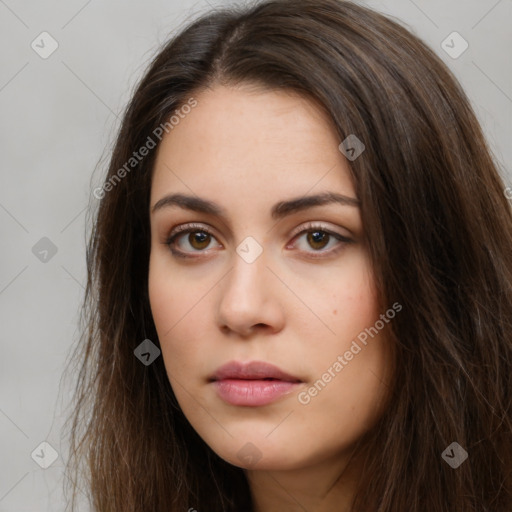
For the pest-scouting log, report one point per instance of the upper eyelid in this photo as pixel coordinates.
(186, 227)
(303, 227)
(321, 226)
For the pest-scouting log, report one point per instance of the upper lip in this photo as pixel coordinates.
(254, 370)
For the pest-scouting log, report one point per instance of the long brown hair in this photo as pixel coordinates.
(439, 235)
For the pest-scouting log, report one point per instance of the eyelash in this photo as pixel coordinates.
(308, 228)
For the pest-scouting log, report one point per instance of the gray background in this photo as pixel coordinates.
(59, 117)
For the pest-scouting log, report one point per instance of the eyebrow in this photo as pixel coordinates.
(279, 210)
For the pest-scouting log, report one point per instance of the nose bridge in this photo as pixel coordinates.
(248, 295)
(244, 282)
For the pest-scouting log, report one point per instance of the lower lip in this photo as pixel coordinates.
(252, 392)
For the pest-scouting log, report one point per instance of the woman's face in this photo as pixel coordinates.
(263, 272)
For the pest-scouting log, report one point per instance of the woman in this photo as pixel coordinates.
(300, 279)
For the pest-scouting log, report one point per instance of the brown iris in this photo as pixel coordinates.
(199, 239)
(318, 237)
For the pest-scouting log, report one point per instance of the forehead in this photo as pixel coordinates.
(251, 142)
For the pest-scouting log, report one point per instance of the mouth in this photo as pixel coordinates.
(254, 384)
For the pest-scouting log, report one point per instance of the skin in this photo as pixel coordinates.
(247, 149)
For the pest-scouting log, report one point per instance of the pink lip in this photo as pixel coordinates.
(253, 384)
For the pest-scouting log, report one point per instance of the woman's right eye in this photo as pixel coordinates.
(189, 240)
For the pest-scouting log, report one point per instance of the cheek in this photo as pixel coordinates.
(352, 311)
(163, 300)
(172, 302)
(358, 299)
(349, 303)
(174, 296)
(179, 312)
(358, 311)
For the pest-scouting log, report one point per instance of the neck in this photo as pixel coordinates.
(318, 488)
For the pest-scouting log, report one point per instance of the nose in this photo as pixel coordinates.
(249, 299)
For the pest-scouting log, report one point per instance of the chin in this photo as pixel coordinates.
(259, 454)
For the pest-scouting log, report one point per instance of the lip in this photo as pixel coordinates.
(252, 384)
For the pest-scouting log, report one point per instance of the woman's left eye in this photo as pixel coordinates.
(321, 240)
